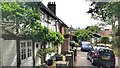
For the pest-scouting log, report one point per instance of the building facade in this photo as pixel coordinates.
(24, 51)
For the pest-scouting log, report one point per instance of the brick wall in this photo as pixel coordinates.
(63, 32)
(65, 47)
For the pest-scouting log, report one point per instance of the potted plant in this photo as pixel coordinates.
(43, 52)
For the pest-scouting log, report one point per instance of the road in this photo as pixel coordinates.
(82, 62)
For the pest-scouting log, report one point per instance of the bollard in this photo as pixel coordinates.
(68, 58)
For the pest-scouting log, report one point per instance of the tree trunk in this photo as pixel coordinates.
(18, 52)
(18, 44)
(42, 60)
(113, 32)
(118, 31)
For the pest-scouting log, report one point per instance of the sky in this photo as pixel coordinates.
(73, 12)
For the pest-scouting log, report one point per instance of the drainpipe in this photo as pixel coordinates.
(118, 31)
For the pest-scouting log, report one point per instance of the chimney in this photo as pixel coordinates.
(52, 7)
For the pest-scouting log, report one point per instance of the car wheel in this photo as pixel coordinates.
(93, 62)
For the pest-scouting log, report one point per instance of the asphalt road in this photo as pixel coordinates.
(81, 60)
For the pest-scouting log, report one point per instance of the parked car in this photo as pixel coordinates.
(86, 46)
(102, 57)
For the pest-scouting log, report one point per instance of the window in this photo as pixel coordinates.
(53, 24)
(26, 49)
(29, 49)
(23, 50)
(37, 45)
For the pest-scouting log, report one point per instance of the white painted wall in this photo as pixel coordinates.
(59, 49)
(37, 59)
(8, 53)
(0, 52)
(28, 62)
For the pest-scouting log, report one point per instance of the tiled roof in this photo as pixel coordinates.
(63, 23)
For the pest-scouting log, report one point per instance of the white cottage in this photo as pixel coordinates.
(21, 51)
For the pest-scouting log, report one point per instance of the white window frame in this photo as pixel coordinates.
(29, 49)
(26, 48)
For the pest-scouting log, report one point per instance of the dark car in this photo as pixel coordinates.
(86, 46)
(101, 57)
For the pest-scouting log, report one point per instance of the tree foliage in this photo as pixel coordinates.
(108, 12)
(26, 16)
(102, 11)
(83, 35)
(55, 37)
(105, 11)
(94, 29)
(105, 39)
(43, 52)
(19, 15)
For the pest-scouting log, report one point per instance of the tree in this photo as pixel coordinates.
(105, 40)
(20, 18)
(83, 35)
(108, 12)
(94, 29)
(26, 18)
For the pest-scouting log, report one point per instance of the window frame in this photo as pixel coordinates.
(27, 50)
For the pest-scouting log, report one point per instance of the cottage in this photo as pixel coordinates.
(21, 50)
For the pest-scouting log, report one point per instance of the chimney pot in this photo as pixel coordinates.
(54, 2)
(52, 7)
(49, 2)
